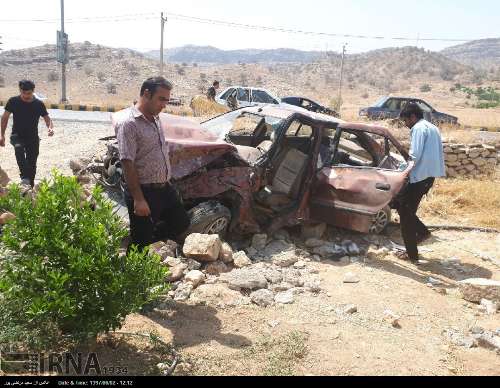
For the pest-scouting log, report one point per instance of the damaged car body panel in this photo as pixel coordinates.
(276, 166)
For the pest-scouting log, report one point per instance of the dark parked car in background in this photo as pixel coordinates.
(391, 107)
(310, 105)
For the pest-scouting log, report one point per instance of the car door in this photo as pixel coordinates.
(243, 97)
(352, 193)
(392, 108)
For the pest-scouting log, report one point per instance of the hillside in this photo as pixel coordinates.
(484, 53)
(213, 55)
(103, 75)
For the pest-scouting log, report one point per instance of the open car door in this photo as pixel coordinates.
(365, 176)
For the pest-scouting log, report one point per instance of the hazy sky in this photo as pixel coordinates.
(442, 19)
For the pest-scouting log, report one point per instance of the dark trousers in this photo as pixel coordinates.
(26, 156)
(168, 217)
(411, 226)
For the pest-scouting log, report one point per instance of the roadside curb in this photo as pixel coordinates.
(80, 108)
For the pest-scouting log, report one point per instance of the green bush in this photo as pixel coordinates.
(61, 272)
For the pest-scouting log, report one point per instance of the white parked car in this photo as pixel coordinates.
(246, 96)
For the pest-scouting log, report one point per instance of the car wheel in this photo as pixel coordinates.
(209, 218)
(381, 220)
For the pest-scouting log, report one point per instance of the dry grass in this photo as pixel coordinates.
(467, 202)
(202, 106)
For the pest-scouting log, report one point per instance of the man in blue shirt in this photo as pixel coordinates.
(426, 152)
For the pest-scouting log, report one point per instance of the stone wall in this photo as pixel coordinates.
(472, 160)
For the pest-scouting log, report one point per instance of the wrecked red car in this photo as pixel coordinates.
(264, 168)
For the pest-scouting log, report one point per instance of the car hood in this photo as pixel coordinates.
(191, 147)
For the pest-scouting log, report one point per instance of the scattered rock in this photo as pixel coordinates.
(77, 165)
(351, 248)
(351, 278)
(313, 231)
(195, 278)
(458, 339)
(273, 276)
(330, 251)
(376, 254)
(164, 249)
(490, 307)
(347, 309)
(293, 277)
(314, 243)
(177, 272)
(474, 290)
(259, 241)
(477, 330)
(273, 324)
(313, 285)
(435, 282)
(216, 294)
(241, 260)
(202, 247)
(226, 253)
(286, 297)
(282, 287)
(216, 268)
(246, 278)
(193, 265)
(277, 247)
(285, 259)
(392, 318)
(183, 292)
(489, 341)
(262, 298)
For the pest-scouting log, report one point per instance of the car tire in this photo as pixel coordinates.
(209, 218)
(381, 220)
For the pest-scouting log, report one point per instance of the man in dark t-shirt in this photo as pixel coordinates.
(27, 111)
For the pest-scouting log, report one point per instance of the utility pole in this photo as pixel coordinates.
(339, 103)
(163, 21)
(63, 63)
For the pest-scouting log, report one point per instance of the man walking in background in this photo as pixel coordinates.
(426, 151)
(27, 110)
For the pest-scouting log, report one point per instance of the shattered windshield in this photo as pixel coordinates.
(237, 121)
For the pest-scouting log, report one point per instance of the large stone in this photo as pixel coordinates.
(351, 248)
(77, 165)
(479, 162)
(293, 277)
(285, 259)
(272, 275)
(216, 268)
(313, 231)
(202, 247)
(183, 292)
(177, 272)
(241, 260)
(474, 290)
(315, 243)
(330, 251)
(226, 253)
(164, 248)
(262, 298)
(247, 279)
(286, 297)
(216, 294)
(450, 158)
(4, 178)
(490, 307)
(277, 247)
(313, 284)
(259, 241)
(351, 278)
(195, 278)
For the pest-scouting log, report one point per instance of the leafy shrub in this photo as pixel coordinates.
(63, 273)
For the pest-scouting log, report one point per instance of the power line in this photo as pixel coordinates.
(194, 19)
